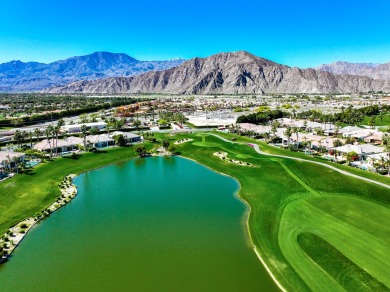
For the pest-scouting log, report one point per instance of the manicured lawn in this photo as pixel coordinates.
(300, 212)
(385, 120)
(278, 151)
(289, 199)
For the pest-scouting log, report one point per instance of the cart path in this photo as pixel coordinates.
(257, 149)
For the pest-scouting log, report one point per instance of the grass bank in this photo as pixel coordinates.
(27, 194)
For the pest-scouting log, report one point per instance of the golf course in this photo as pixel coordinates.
(312, 227)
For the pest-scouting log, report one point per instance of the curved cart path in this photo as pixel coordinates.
(257, 149)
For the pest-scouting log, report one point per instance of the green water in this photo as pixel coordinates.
(155, 224)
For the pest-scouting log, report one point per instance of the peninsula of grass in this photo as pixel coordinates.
(300, 212)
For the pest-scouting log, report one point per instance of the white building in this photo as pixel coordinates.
(77, 127)
(362, 150)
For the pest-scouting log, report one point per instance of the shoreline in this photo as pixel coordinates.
(15, 234)
(68, 193)
(246, 217)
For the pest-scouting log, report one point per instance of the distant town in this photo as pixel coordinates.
(346, 129)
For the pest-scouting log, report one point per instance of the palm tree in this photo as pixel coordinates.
(15, 159)
(18, 138)
(9, 162)
(386, 141)
(296, 130)
(83, 134)
(288, 133)
(371, 122)
(30, 135)
(24, 136)
(37, 133)
(48, 133)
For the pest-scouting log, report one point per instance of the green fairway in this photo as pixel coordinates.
(385, 120)
(301, 213)
(290, 199)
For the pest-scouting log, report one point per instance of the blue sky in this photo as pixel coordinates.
(296, 33)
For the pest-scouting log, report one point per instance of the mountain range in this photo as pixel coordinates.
(17, 76)
(376, 71)
(230, 73)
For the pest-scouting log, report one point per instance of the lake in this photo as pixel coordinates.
(154, 224)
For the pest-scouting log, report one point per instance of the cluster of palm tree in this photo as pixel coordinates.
(8, 164)
(290, 131)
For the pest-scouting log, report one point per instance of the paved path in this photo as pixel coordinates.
(257, 149)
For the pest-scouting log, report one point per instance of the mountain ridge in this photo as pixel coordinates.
(230, 73)
(18, 76)
(373, 70)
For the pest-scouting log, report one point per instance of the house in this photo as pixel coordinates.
(129, 137)
(375, 138)
(56, 146)
(9, 159)
(378, 158)
(362, 150)
(255, 128)
(100, 141)
(76, 128)
(93, 141)
(358, 134)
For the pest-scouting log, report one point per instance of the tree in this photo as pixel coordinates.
(337, 143)
(371, 122)
(93, 117)
(337, 128)
(165, 144)
(386, 141)
(288, 133)
(140, 149)
(16, 122)
(172, 149)
(352, 156)
(18, 138)
(30, 135)
(296, 130)
(83, 134)
(119, 124)
(15, 159)
(137, 123)
(120, 140)
(84, 119)
(48, 132)
(37, 133)
(24, 136)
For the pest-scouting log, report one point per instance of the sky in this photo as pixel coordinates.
(300, 33)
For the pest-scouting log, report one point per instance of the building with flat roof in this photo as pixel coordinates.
(76, 128)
